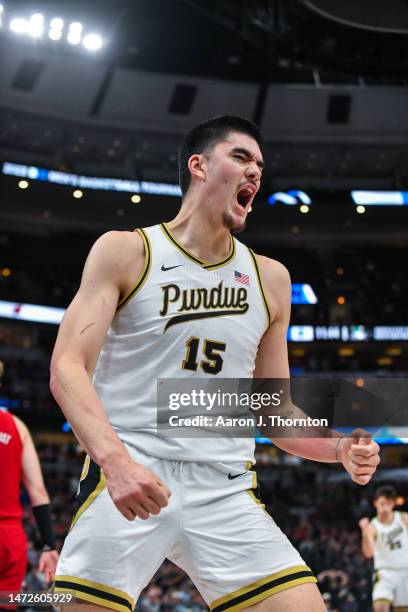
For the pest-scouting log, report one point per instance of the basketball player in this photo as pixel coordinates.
(144, 310)
(19, 463)
(385, 538)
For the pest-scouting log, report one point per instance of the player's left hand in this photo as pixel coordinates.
(359, 455)
(48, 564)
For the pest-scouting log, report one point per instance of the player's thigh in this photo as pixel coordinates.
(381, 606)
(233, 550)
(305, 597)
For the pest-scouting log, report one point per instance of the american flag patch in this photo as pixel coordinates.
(241, 278)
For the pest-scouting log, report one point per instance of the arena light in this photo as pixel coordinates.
(380, 198)
(36, 25)
(75, 33)
(73, 38)
(290, 198)
(77, 194)
(23, 184)
(56, 27)
(19, 25)
(55, 34)
(92, 42)
(57, 23)
(360, 209)
(302, 293)
(136, 198)
(90, 182)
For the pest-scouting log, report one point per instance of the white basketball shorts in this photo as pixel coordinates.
(214, 528)
(391, 585)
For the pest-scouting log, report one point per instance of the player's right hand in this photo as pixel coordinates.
(364, 523)
(135, 490)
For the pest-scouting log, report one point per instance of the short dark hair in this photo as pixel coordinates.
(204, 136)
(387, 491)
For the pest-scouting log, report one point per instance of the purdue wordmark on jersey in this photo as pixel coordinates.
(184, 318)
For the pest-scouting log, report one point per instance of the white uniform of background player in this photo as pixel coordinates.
(385, 538)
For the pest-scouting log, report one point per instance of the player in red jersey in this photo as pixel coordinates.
(20, 464)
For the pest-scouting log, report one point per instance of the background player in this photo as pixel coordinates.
(385, 538)
(20, 464)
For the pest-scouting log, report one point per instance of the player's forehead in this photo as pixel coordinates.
(381, 499)
(238, 140)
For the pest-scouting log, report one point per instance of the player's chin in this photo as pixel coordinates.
(235, 223)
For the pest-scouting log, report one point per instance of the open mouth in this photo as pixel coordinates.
(244, 196)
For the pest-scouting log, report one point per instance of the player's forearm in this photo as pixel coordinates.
(367, 546)
(78, 400)
(38, 495)
(317, 443)
(323, 449)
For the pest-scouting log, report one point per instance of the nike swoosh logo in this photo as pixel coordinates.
(231, 477)
(164, 269)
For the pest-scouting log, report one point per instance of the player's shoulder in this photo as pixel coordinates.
(273, 271)
(116, 239)
(21, 427)
(118, 249)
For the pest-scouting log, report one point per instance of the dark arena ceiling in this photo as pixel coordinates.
(327, 81)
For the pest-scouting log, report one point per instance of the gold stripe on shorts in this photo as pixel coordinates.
(90, 487)
(95, 592)
(257, 591)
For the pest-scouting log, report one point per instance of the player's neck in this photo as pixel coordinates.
(388, 519)
(200, 235)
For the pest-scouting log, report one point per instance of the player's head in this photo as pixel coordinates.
(220, 157)
(384, 500)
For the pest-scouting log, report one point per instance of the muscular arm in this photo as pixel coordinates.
(31, 470)
(80, 339)
(114, 259)
(272, 363)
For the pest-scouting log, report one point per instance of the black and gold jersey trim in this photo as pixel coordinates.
(95, 592)
(257, 591)
(261, 289)
(144, 274)
(92, 483)
(201, 262)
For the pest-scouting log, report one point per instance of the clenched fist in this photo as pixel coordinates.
(359, 455)
(135, 490)
(364, 523)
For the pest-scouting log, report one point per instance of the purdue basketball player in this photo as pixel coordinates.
(179, 300)
(385, 538)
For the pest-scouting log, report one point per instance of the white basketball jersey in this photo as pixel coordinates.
(391, 543)
(184, 318)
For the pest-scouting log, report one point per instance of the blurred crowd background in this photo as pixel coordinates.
(93, 105)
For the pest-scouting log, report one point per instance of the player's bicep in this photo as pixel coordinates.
(84, 327)
(87, 319)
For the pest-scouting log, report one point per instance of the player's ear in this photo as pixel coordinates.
(197, 166)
